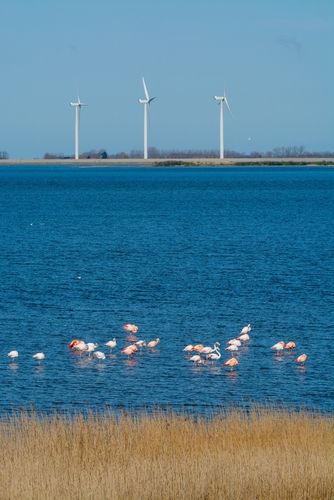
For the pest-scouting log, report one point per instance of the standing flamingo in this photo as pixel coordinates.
(13, 354)
(244, 337)
(231, 362)
(209, 350)
(39, 356)
(290, 346)
(232, 348)
(153, 343)
(130, 328)
(197, 359)
(188, 348)
(141, 344)
(245, 329)
(99, 355)
(214, 356)
(74, 343)
(301, 359)
(234, 342)
(111, 344)
(129, 350)
(278, 347)
(198, 347)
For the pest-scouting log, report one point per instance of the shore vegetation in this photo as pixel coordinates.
(262, 454)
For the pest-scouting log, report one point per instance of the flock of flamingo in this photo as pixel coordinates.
(211, 353)
(214, 354)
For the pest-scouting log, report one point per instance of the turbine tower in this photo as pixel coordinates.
(221, 101)
(77, 106)
(146, 103)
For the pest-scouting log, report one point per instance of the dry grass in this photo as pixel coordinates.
(265, 454)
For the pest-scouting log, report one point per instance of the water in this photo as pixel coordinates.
(190, 256)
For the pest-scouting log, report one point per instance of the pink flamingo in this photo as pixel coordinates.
(129, 350)
(231, 363)
(301, 359)
(130, 328)
(153, 343)
(290, 346)
(188, 348)
(244, 337)
(198, 347)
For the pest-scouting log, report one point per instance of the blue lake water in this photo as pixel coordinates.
(190, 255)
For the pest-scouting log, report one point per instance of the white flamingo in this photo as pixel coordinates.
(13, 354)
(111, 344)
(232, 348)
(214, 356)
(197, 359)
(234, 342)
(209, 350)
(278, 347)
(244, 337)
(99, 355)
(40, 356)
(246, 329)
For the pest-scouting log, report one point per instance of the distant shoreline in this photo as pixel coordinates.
(175, 162)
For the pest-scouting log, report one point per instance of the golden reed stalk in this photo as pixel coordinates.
(261, 454)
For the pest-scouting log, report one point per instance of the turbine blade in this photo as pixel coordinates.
(145, 90)
(228, 107)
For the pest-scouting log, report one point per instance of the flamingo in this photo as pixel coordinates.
(232, 348)
(196, 359)
(111, 344)
(278, 347)
(209, 350)
(130, 328)
(244, 337)
(81, 347)
(90, 347)
(214, 356)
(189, 348)
(99, 355)
(301, 359)
(74, 343)
(130, 350)
(245, 329)
(13, 354)
(231, 362)
(290, 346)
(39, 356)
(198, 347)
(153, 343)
(234, 342)
(141, 344)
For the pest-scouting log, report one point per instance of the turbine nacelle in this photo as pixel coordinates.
(78, 104)
(219, 98)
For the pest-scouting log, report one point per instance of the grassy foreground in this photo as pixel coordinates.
(264, 454)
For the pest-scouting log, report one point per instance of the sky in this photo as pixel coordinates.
(275, 59)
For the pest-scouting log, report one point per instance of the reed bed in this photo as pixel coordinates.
(259, 454)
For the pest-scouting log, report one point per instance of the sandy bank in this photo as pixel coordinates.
(176, 161)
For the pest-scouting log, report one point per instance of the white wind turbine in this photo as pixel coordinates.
(77, 106)
(146, 103)
(221, 101)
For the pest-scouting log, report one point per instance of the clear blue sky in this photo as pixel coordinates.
(276, 59)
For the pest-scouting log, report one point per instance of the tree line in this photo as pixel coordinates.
(153, 152)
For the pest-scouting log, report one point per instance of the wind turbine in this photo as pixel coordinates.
(146, 103)
(77, 106)
(221, 101)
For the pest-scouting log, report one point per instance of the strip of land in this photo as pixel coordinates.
(154, 162)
